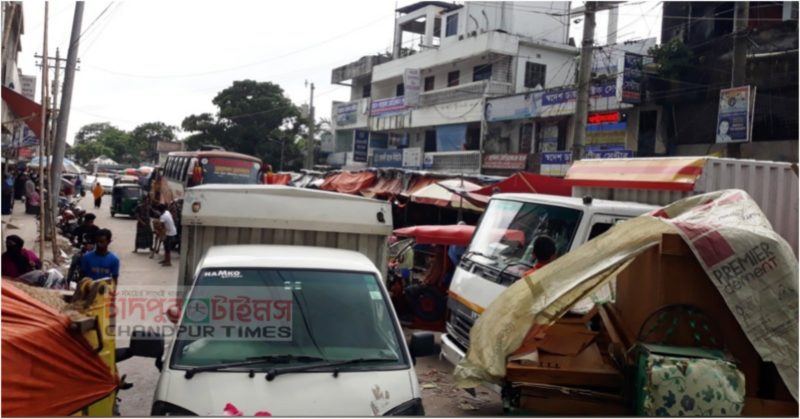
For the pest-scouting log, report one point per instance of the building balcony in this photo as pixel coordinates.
(356, 69)
(466, 91)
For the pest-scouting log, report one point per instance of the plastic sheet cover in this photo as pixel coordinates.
(46, 370)
(348, 182)
(752, 267)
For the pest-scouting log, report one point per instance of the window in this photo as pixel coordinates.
(429, 83)
(598, 229)
(400, 90)
(168, 167)
(482, 72)
(452, 25)
(535, 74)
(184, 169)
(366, 91)
(525, 138)
(452, 78)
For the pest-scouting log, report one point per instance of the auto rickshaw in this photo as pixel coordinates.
(125, 197)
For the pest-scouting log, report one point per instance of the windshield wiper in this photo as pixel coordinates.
(275, 359)
(274, 372)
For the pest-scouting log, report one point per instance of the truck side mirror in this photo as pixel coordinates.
(422, 344)
(174, 314)
(144, 344)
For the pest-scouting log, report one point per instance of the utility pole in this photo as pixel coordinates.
(42, 157)
(60, 144)
(310, 145)
(739, 59)
(584, 82)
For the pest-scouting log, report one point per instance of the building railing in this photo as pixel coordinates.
(456, 162)
(465, 92)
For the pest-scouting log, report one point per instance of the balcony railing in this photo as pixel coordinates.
(465, 91)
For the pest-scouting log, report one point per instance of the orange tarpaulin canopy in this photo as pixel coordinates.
(677, 174)
(384, 188)
(47, 371)
(347, 182)
(522, 182)
(279, 179)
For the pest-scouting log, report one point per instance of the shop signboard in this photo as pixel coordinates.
(555, 163)
(733, 119)
(411, 86)
(392, 105)
(513, 107)
(607, 154)
(361, 146)
(561, 101)
(346, 113)
(631, 80)
(412, 158)
(613, 133)
(387, 158)
(516, 161)
(28, 85)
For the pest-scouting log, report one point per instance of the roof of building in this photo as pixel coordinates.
(419, 5)
(289, 257)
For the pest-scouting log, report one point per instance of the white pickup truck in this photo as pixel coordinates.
(501, 250)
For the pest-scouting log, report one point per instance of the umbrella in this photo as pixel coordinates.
(442, 194)
(69, 166)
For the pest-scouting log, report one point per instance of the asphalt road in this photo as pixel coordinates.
(440, 397)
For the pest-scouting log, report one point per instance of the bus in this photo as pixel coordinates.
(184, 169)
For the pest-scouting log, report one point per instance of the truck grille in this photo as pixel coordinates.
(461, 321)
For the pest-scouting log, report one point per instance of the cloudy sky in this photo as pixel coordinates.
(147, 60)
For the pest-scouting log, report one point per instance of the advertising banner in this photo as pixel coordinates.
(561, 101)
(346, 113)
(613, 133)
(412, 83)
(381, 107)
(555, 163)
(517, 161)
(387, 158)
(733, 118)
(412, 158)
(631, 80)
(361, 146)
(513, 107)
(28, 85)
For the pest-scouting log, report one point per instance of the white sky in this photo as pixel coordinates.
(147, 60)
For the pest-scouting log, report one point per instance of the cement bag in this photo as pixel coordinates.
(752, 266)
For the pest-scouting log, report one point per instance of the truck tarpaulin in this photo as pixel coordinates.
(47, 371)
(347, 182)
(752, 267)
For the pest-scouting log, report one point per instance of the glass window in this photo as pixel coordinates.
(452, 25)
(235, 314)
(429, 82)
(400, 90)
(168, 167)
(598, 229)
(366, 91)
(482, 72)
(452, 78)
(535, 74)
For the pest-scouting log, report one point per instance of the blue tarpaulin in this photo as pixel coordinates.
(451, 137)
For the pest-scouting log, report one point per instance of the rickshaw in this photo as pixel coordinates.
(125, 197)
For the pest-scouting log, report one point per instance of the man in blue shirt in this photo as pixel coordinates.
(100, 263)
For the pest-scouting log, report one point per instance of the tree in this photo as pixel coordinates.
(147, 136)
(104, 139)
(254, 118)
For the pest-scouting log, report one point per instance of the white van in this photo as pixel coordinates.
(501, 250)
(313, 334)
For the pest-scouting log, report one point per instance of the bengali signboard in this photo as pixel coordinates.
(28, 86)
(346, 113)
(516, 161)
(387, 158)
(612, 133)
(361, 146)
(631, 80)
(733, 119)
(607, 154)
(412, 85)
(381, 107)
(562, 101)
(412, 158)
(555, 163)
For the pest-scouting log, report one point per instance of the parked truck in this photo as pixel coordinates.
(661, 181)
(501, 250)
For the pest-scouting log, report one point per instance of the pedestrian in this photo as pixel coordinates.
(98, 192)
(100, 263)
(144, 233)
(78, 186)
(17, 260)
(86, 232)
(33, 203)
(7, 192)
(170, 232)
(19, 185)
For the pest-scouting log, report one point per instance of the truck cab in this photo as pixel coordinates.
(501, 250)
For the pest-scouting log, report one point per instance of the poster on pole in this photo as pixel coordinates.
(411, 85)
(733, 119)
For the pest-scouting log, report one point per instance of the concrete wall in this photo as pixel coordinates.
(561, 66)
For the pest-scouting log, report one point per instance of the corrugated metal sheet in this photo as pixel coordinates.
(773, 185)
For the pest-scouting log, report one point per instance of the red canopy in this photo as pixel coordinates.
(384, 188)
(26, 109)
(279, 179)
(458, 235)
(523, 182)
(347, 182)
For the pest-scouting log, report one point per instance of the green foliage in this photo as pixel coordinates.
(253, 118)
(675, 60)
(146, 137)
(134, 147)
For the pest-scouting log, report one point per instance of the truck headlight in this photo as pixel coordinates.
(169, 409)
(412, 407)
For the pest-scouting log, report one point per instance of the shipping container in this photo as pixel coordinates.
(271, 214)
(660, 181)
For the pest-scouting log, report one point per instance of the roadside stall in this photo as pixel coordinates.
(690, 310)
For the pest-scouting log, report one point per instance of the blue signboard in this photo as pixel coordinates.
(632, 78)
(388, 106)
(564, 95)
(387, 158)
(608, 154)
(361, 146)
(557, 157)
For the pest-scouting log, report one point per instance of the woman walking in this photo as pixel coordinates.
(98, 192)
(144, 233)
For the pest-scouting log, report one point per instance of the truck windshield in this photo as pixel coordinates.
(235, 315)
(229, 170)
(508, 230)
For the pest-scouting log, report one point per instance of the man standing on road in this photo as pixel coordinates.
(100, 263)
(165, 218)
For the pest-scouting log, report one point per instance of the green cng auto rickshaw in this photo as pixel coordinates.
(124, 198)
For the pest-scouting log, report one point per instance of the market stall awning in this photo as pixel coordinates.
(447, 193)
(384, 188)
(348, 182)
(676, 174)
(458, 235)
(522, 182)
(27, 110)
(279, 179)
